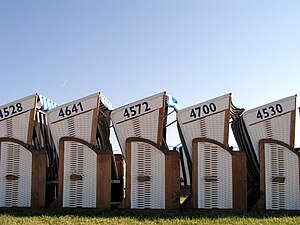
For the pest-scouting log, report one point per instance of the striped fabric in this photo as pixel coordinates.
(245, 144)
(172, 102)
(106, 102)
(46, 104)
(185, 165)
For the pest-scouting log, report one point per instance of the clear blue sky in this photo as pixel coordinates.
(195, 50)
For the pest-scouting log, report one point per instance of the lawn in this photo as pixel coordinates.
(85, 216)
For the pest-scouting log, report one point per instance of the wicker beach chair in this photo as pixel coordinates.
(152, 171)
(29, 161)
(81, 133)
(273, 162)
(218, 172)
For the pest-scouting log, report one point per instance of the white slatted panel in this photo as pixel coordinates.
(145, 126)
(16, 127)
(79, 126)
(214, 162)
(79, 160)
(281, 162)
(207, 127)
(146, 160)
(15, 160)
(278, 128)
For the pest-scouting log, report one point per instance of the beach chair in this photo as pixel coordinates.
(218, 172)
(152, 171)
(81, 133)
(29, 161)
(269, 130)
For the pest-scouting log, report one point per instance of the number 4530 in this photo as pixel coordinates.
(269, 111)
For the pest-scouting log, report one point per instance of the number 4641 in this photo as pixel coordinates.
(70, 110)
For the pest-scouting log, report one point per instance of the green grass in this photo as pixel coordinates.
(90, 217)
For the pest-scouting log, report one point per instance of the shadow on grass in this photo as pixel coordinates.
(145, 214)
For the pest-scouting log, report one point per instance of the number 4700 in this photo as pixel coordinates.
(206, 109)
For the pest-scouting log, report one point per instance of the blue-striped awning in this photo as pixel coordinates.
(172, 102)
(106, 102)
(46, 104)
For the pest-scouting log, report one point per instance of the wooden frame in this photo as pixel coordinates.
(161, 121)
(262, 142)
(293, 124)
(103, 189)
(172, 182)
(226, 122)
(239, 175)
(38, 176)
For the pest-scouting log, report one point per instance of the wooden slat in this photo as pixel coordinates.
(38, 183)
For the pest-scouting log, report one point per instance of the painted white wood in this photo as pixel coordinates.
(17, 107)
(217, 104)
(152, 103)
(269, 111)
(83, 105)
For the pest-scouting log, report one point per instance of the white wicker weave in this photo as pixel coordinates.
(15, 160)
(145, 126)
(16, 127)
(186, 169)
(138, 119)
(208, 127)
(74, 119)
(14, 122)
(271, 121)
(204, 120)
(79, 126)
(277, 128)
(281, 162)
(79, 160)
(214, 177)
(146, 160)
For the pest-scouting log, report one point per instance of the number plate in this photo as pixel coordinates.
(204, 109)
(73, 108)
(17, 107)
(138, 108)
(270, 110)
